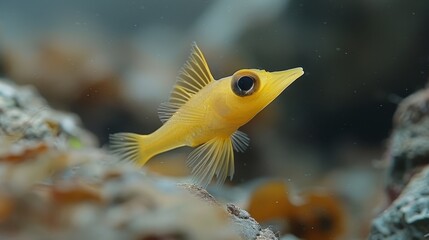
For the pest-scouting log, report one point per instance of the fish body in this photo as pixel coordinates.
(206, 113)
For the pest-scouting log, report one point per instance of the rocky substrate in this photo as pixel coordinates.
(407, 157)
(55, 183)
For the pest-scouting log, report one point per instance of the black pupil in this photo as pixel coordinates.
(245, 83)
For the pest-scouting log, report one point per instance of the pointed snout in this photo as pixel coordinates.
(288, 76)
(284, 78)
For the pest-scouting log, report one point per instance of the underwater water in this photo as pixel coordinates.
(326, 159)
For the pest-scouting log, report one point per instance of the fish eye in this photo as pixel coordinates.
(244, 85)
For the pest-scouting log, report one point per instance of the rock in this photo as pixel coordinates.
(407, 216)
(409, 142)
(243, 223)
(26, 119)
(267, 234)
(56, 184)
(199, 192)
(247, 226)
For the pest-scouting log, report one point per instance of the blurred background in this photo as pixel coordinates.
(113, 62)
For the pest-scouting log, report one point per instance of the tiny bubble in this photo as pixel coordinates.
(338, 49)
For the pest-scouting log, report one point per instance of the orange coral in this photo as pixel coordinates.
(317, 216)
(270, 201)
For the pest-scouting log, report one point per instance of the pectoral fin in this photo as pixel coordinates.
(215, 157)
(240, 141)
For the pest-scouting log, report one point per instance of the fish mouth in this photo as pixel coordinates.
(288, 76)
(282, 79)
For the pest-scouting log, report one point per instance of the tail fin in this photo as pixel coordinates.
(128, 146)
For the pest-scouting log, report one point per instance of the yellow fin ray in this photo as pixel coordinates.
(193, 77)
(240, 141)
(166, 110)
(213, 158)
(128, 147)
(184, 113)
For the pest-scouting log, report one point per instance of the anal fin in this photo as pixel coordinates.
(213, 158)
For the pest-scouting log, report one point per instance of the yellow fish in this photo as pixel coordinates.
(206, 113)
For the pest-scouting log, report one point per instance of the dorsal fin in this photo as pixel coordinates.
(193, 76)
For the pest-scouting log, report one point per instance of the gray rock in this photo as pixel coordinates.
(242, 222)
(62, 191)
(407, 216)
